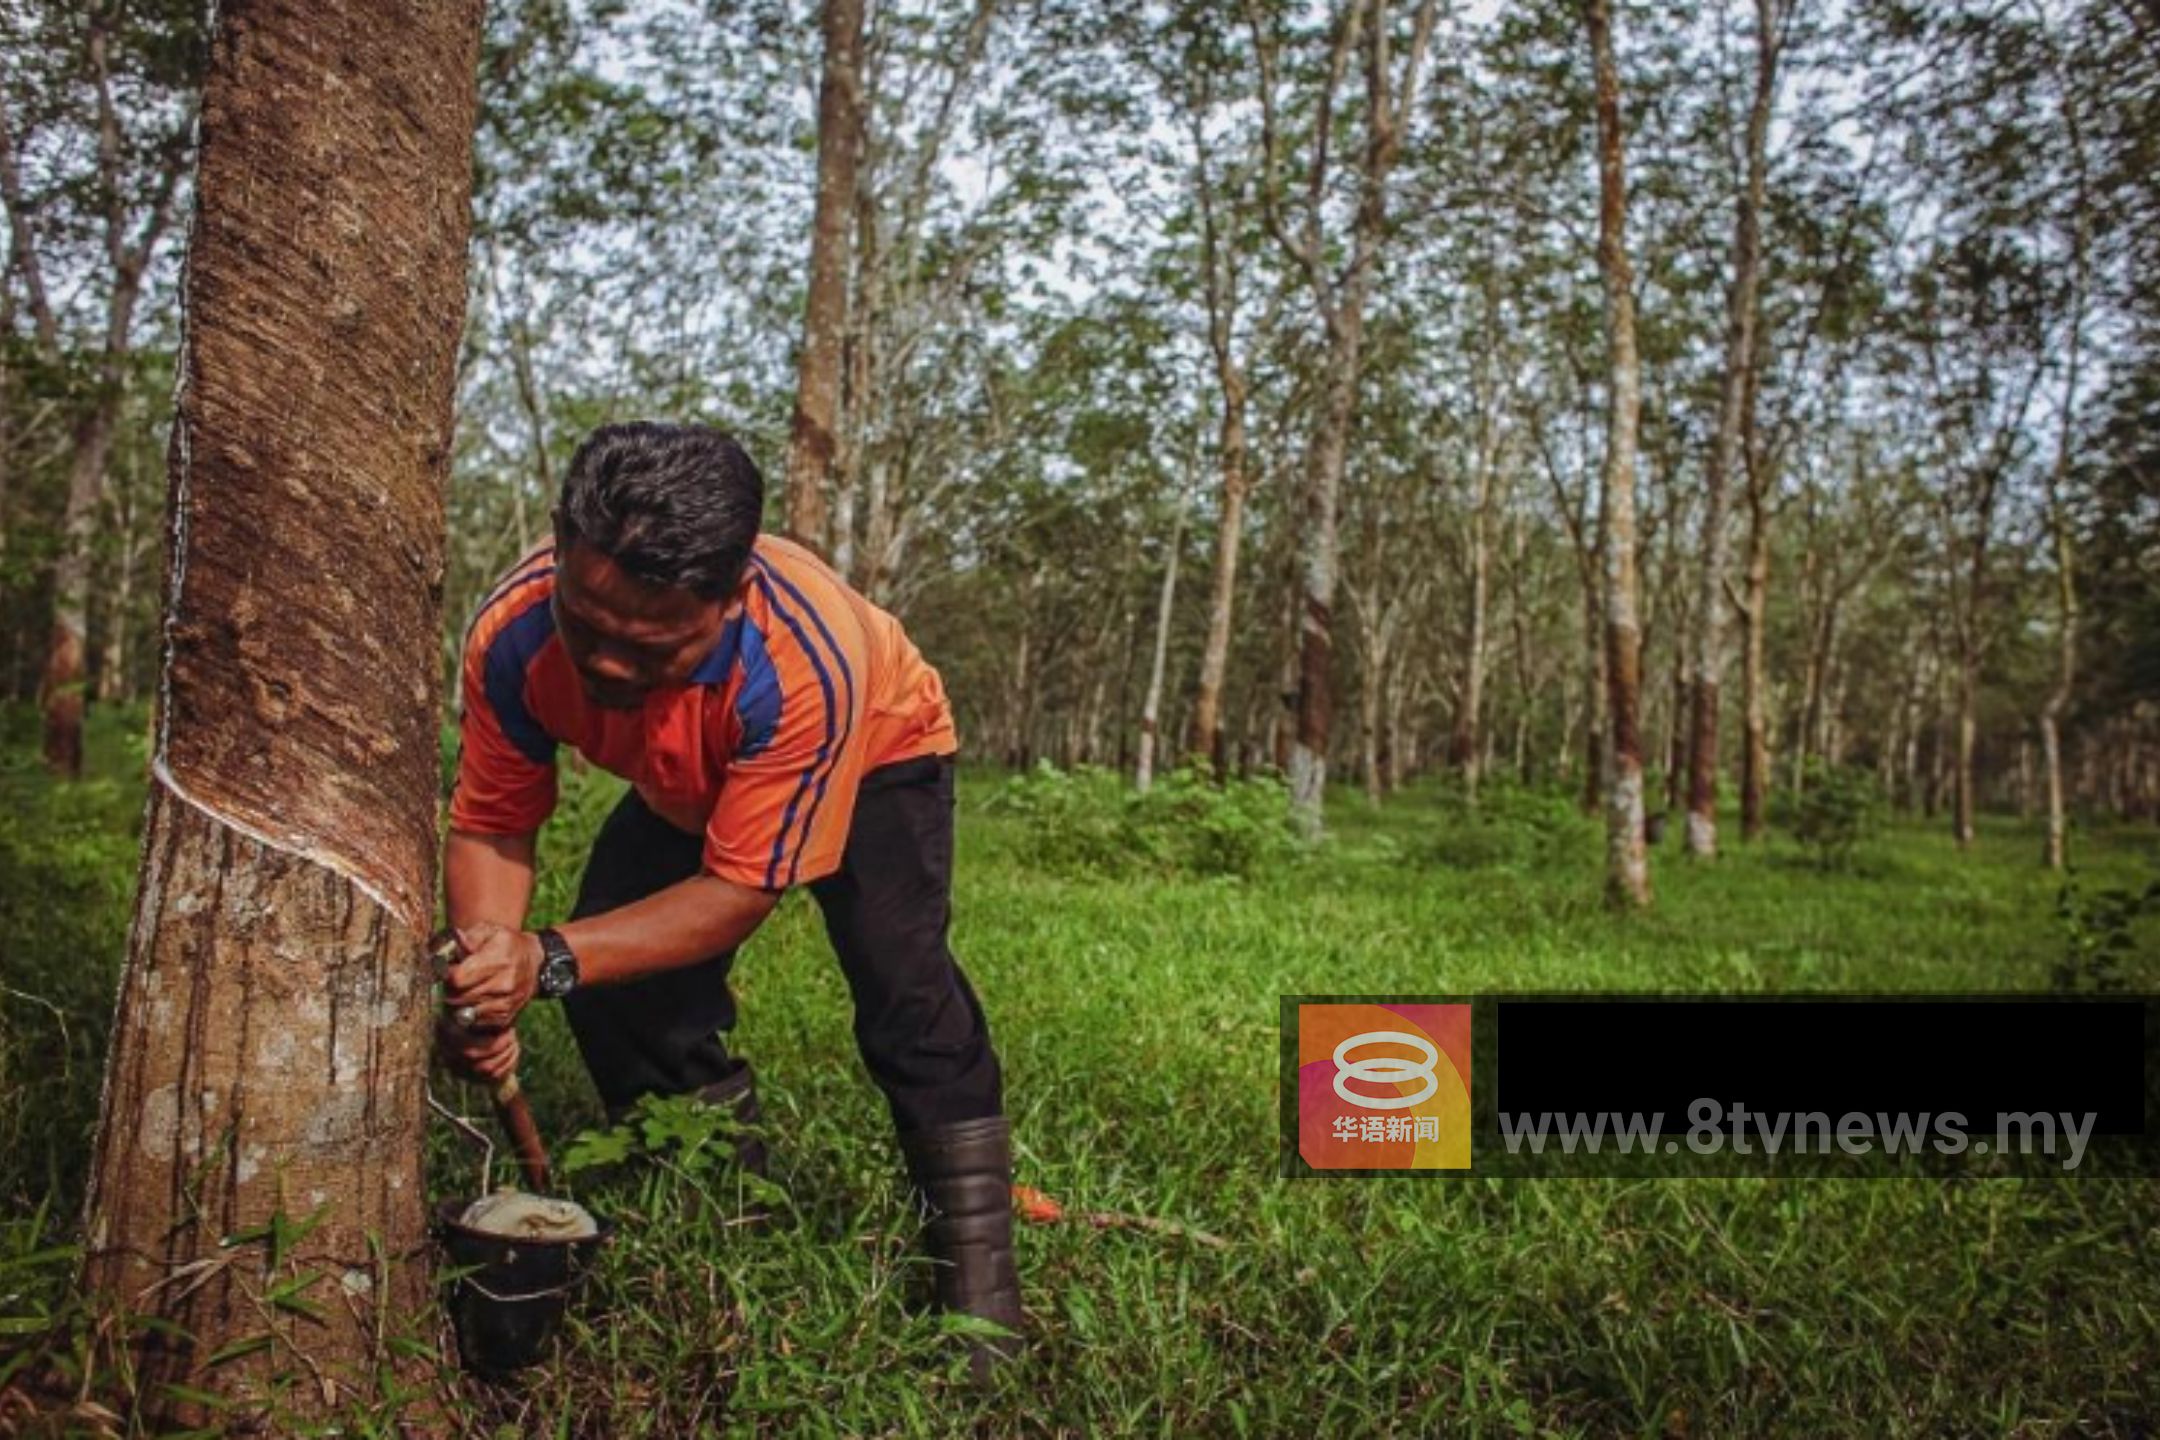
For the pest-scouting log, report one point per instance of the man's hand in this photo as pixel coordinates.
(495, 979)
(489, 1055)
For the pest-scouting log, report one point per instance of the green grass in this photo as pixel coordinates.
(1135, 1018)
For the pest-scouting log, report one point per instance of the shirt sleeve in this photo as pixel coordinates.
(506, 763)
(783, 813)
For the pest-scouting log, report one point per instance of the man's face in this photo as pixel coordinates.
(626, 636)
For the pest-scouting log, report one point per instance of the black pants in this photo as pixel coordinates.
(918, 1025)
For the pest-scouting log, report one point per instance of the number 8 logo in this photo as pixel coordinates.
(1386, 1068)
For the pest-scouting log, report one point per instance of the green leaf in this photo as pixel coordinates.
(287, 1295)
(952, 1322)
(285, 1233)
(252, 1345)
(203, 1398)
(593, 1148)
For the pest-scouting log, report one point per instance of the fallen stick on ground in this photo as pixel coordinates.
(1041, 1209)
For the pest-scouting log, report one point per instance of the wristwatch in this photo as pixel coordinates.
(558, 967)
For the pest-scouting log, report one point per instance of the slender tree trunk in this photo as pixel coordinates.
(1151, 707)
(1469, 732)
(119, 612)
(1394, 740)
(1340, 302)
(2066, 623)
(7, 408)
(1284, 726)
(536, 435)
(1627, 861)
(1754, 680)
(1319, 549)
(817, 385)
(271, 1045)
(1371, 682)
(1676, 734)
(1595, 753)
(1222, 589)
(862, 370)
(1020, 687)
(1726, 454)
(2055, 850)
(61, 691)
(1963, 796)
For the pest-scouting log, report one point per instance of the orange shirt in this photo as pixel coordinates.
(808, 688)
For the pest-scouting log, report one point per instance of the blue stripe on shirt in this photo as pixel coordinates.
(846, 674)
(509, 654)
(825, 747)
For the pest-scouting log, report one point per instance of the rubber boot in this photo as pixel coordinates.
(738, 1092)
(962, 1175)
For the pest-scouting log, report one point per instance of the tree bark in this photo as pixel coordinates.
(1219, 263)
(269, 1054)
(61, 688)
(1469, 732)
(817, 384)
(1222, 587)
(1151, 706)
(2055, 850)
(112, 682)
(1754, 680)
(1725, 453)
(1339, 298)
(1627, 865)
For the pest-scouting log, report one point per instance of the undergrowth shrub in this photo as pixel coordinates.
(68, 854)
(1835, 812)
(1511, 828)
(1088, 821)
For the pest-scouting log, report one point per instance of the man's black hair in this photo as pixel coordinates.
(675, 505)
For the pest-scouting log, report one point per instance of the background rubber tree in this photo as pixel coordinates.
(1627, 865)
(813, 437)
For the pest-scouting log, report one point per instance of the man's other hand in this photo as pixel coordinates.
(486, 1055)
(496, 977)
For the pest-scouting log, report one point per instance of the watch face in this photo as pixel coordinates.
(557, 974)
(558, 967)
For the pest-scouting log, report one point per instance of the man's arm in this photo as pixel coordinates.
(488, 879)
(692, 920)
(487, 883)
(689, 921)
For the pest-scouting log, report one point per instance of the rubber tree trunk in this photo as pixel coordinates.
(270, 1050)
(112, 684)
(1389, 103)
(1754, 683)
(1469, 739)
(1595, 754)
(1627, 865)
(1151, 706)
(1319, 548)
(2054, 852)
(817, 382)
(130, 243)
(1222, 589)
(1726, 456)
(61, 690)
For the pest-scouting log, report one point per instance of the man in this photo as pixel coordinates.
(779, 730)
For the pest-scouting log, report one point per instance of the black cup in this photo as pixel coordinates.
(510, 1300)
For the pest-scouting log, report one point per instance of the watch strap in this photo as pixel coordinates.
(558, 965)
